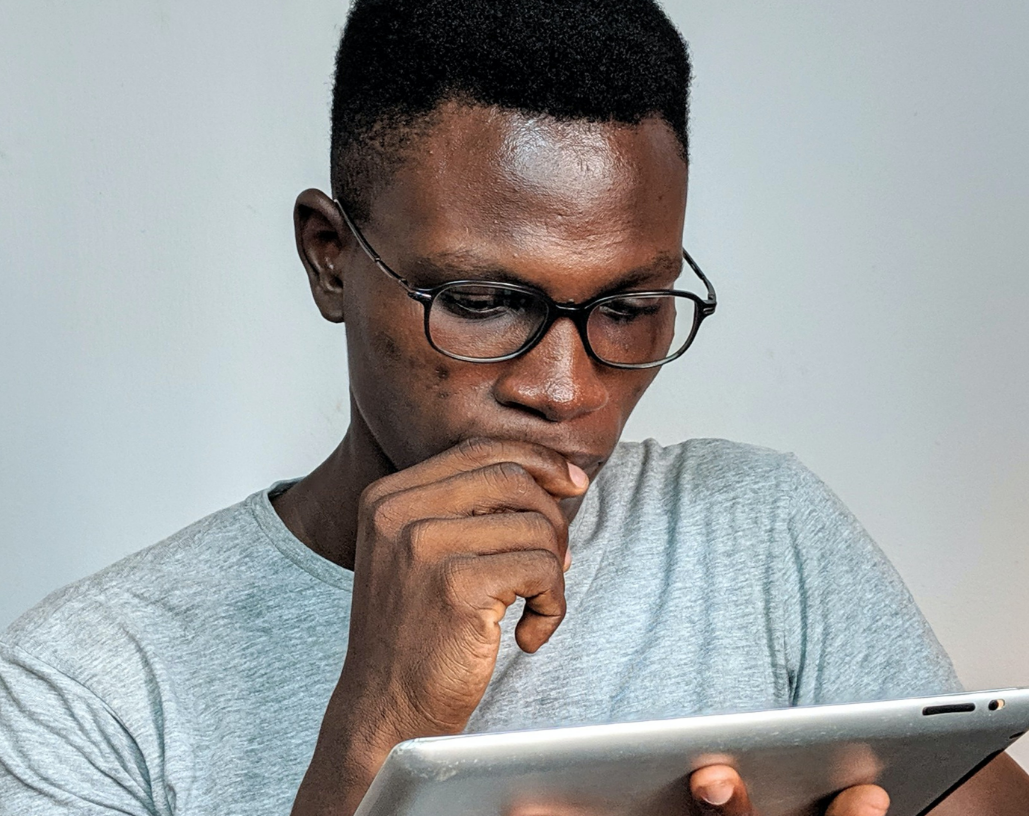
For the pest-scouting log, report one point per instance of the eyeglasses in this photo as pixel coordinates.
(490, 321)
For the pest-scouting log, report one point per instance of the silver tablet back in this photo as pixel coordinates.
(793, 760)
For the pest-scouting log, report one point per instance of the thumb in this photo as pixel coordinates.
(861, 800)
(717, 790)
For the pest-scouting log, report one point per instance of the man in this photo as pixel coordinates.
(503, 247)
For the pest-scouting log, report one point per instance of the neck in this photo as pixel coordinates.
(321, 509)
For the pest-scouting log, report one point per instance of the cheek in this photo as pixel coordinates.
(384, 337)
(400, 365)
(416, 377)
(389, 362)
(632, 388)
(640, 387)
(442, 372)
(408, 389)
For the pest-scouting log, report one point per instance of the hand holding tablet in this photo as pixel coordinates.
(720, 789)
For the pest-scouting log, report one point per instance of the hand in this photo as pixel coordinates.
(443, 549)
(718, 790)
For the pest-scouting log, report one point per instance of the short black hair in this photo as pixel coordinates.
(398, 60)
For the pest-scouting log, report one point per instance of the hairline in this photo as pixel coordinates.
(418, 126)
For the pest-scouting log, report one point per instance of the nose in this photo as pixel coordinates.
(556, 379)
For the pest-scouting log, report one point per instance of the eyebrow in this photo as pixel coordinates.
(439, 268)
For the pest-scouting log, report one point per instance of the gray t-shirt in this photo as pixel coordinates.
(191, 678)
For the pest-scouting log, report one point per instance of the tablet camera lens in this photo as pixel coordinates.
(996, 705)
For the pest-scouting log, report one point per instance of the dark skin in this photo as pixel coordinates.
(451, 494)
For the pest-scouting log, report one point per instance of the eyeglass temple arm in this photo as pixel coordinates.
(712, 298)
(369, 251)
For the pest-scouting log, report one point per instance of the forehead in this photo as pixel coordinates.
(534, 192)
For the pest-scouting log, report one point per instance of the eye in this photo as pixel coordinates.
(482, 302)
(626, 309)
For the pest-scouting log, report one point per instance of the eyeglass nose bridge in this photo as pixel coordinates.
(578, 314)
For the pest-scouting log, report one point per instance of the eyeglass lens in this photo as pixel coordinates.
(480, 321)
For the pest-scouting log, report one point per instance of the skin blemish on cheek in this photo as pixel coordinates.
(385, 344)
(392, 353)
(442, 374)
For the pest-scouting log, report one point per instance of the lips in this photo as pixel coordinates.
(591, 463)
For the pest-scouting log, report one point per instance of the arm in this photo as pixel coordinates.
(999, 789)
(63, 750)
(443, 548)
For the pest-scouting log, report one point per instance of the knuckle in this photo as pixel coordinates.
(370, 496)
(555, 589)
(387, 514)
(416, 539)
(511, 476)
(477, 448)
(508, 479)
(453, 574)
(548, 568)
(562, 606)
(547, 459)
(541, 529)
(554, 459)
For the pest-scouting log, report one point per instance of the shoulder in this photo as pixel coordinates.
(757, 497)
(728, 501)
(719, 462)
(702, 472)
(738, 503)
(149, 590)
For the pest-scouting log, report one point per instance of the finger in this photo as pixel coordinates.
(718, 789)
(861, 800)
(504, 486)
(428, 539)
(553, 472)
(493, 582)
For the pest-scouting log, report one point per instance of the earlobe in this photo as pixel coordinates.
(322, 240)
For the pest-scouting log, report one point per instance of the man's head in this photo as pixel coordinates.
(539, 141)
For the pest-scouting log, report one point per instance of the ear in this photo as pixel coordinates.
(322, 241)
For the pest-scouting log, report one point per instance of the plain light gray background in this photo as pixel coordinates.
(859, 194)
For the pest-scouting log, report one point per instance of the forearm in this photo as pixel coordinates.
(363, 721)
(999, 789)
(337, 778)
(352, 745)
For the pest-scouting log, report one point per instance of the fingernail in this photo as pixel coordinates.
(578, 475)
(716, 793)
(568, 560)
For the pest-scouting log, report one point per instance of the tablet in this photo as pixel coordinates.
(793, 760)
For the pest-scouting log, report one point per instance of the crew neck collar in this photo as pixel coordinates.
(292, 547)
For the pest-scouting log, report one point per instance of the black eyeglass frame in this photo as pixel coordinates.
(578, 313)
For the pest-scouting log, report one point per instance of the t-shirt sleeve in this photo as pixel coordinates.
(63, 751)
(853, 631)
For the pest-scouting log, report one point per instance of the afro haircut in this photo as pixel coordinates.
(398, 60)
